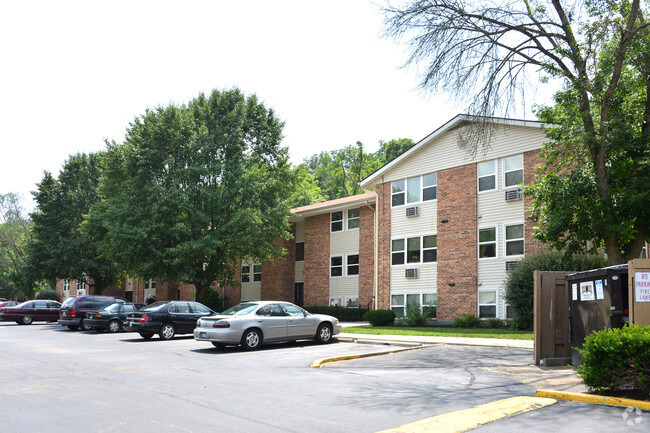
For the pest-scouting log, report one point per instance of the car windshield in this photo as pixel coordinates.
(154, 306)
(240, 309)
(113, 308)
(68, 302)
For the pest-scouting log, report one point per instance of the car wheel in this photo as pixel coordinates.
(218, 345)
(83, 326)
(146, 335)
(73, 327)
(26, 320)
(324, 333)
(114, 326)
(167, 331)
(252, 339)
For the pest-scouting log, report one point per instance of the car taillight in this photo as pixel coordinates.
(221, 324)
(73, 313)
(144, 319)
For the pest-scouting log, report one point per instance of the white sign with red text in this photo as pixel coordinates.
(642, 286)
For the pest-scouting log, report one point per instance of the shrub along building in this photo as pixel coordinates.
(441, 227)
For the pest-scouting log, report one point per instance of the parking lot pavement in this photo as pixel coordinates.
(94, 382)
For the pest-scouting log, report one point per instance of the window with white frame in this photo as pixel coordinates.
(429, 187)
(513, 170)
(300, 251)
(353, 219)
(487, 304)
(352, 264)
(487, 175)
(81, 287)
(515, 240)
(246, 274)
(398, 192)
(418, 249)
(414, 189)
(66, 285)
(257, 273)
(336, 266)
(150, 284)
(251, 273)
(337, 221)
(427, 302)
(487, 243)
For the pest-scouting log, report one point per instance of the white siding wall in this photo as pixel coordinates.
(403, 227)
(300, 272)
(344, 243)
(445, 153)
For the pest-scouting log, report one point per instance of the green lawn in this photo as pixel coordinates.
(441, 332)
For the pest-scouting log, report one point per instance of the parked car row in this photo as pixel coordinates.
(249, 324)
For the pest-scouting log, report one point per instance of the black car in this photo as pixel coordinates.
(111, 317)
(75, 309)
(166, 318)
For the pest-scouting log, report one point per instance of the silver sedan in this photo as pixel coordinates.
(252, 324)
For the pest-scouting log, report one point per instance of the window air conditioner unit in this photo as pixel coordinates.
(412, 273)
(511, 265)
(514, 194)
(412, 211)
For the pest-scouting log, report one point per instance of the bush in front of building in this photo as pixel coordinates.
(617, 360)
(46, 294)
(414, 315)
(380, 317)
(465, 321)
(520, 281)
(344, 314)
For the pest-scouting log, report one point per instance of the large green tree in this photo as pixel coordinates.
(340, 172)
(61, 248)
(194, 188)
(15, 233)
(600, 50)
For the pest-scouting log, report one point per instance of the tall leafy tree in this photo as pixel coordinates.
(340, 172)
(306, 190)
(484, 53)
(61, 248)
(15, 233)
(194, 188)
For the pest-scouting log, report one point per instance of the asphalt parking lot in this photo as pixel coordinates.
(56, 380)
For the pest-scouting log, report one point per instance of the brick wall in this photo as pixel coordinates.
(317, 260)
(457, 242)
(278, 277)
(366, 255)
(383, 245)
(531, 161)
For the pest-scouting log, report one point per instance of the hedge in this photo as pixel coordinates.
(617, 359)
(380, 317)
(344, 314)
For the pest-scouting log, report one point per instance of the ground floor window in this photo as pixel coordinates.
(344, 302)
(427, 302)
(487, 304)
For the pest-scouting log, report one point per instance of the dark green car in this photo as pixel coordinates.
(111, 317)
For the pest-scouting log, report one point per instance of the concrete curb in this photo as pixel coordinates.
(596, 399)
(320, 362)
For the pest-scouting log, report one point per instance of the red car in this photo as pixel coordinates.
(30, 311)
(8, 303)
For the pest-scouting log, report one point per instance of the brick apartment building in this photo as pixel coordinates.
(438, 227)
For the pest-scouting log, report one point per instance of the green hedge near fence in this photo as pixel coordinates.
(344, 314)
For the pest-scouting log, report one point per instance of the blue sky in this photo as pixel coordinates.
(75, 73)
